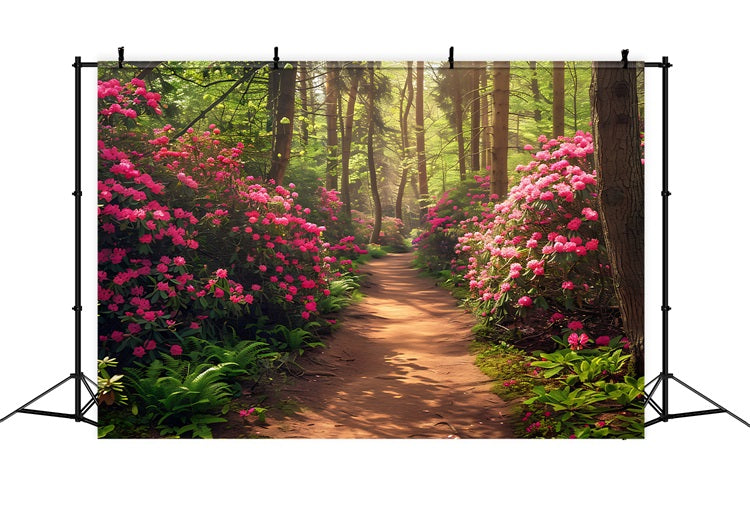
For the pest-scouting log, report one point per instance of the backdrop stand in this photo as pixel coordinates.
(80, 380)
(665, 376)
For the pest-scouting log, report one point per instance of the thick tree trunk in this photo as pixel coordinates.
(614, 106)
(283, 125)
(304, 135)
(474, 108)
(485, 119)
(346, 142)
(458, 120)
(501, 110)
(407, 96)
(558, 98)
(332, 140)
(377, 207)
(421, 157)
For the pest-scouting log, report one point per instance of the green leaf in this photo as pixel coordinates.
(103, 431)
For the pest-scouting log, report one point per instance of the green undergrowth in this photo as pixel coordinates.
(558, 393)
(188, 394)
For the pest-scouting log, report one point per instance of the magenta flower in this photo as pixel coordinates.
(175, 350)
(525, 301)
(221, 273)
(575, 325)
(139, 351)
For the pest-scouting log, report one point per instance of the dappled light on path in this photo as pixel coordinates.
(399, 367)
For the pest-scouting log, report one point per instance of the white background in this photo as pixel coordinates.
(688, 464)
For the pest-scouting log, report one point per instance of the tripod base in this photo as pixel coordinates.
(663, 412)
(80, 379)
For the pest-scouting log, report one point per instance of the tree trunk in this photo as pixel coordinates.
(485, 119)
(558, 99)
(535, 91)
(346, 142)
(458, 120)
(304, 135)
(283, 125)
(617, 158)
(421, 157)
(501, 110)
(331, 117)
(377, 207)
(475, 118)
(407, 96)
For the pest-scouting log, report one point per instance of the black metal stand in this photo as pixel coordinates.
(665, 376)
(80, 380)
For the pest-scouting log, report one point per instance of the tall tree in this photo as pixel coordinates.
(421, 156)
(558, 98)
(346, 140)
(458, 118)
(501, 110)
(377, 207)
(304, 134)
(332, 77)
(283, 123)
(535, 92)
(474, 108)
(407, 97)
(485, 118)
(617, 158)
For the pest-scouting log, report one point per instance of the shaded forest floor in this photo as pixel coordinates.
(398, 367)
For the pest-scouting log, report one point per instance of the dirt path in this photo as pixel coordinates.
(398, 367)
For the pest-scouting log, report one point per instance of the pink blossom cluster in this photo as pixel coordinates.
(188, 242)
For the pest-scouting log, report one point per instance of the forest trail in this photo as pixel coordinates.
(398, 367)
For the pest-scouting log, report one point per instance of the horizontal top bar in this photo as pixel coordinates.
(96, 64)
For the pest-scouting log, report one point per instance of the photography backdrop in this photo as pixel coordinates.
(382, 475)
(238, 202)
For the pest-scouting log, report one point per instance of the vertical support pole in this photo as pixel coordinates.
(77, 193)
(665, 241)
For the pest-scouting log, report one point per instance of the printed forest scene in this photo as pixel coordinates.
(370, 250)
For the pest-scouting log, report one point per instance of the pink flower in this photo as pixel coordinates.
(221, 273)
(575, 325)
(525, 301)
(311, 306)
(150, 345)
(590, 214)
(175, 350)
(568, 285)
(139, 351)
(557, 316)
(577, 342)
(262, 268)
(179, 261)
(574, 224)
(247, 412)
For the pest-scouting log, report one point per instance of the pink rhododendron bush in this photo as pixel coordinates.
(538, 256)
(191, 246)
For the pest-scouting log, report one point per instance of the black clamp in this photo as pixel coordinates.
(666, 308)
(77, 193)
(77, 308)
(666, 193)
(275, 57)
(120, 56)
(625, 59)
(450, 57)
